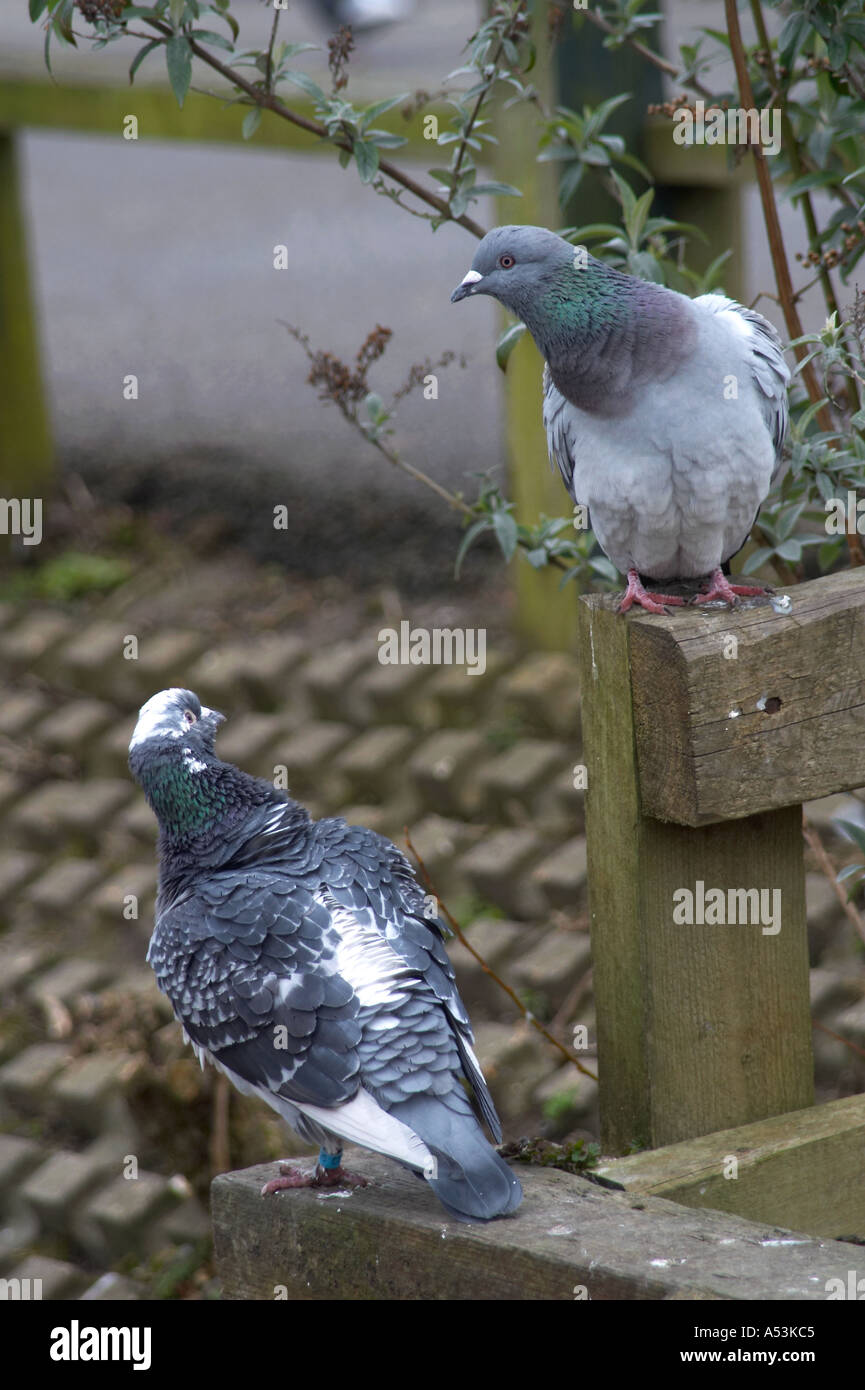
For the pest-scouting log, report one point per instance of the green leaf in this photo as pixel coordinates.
(507, 342)
(604, 567)
(208, 36)
(829, 552)
(505, 190)
(507, 535)
(790, 550)
(636, 220)
(371, 113)
(178, 59)
(816, 179)
(366, 158)
(792, 37)
(385, 139)
(570, 182)
(306, 84)
(458, 202)
(591, 230)
(36, 8)
(537, 558)
(757, 560)
(856, 832)
(837, 49)
(175, 9)
(251, 122)
(471, 535)
(141, 55)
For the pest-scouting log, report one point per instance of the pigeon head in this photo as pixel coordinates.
(173, 715)
(189, 788)
(517, 265)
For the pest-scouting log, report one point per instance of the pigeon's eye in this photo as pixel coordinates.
(190, 716)
(506, 261)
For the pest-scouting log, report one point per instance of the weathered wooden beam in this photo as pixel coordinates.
(806, 1169)
(570, 1239)
(26, 453)
(702, 1024)
(742, 712)
(102, 108)
(545, 617)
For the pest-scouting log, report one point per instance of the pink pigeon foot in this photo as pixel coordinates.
(721, 588)
(653, 603)
(321, 1177)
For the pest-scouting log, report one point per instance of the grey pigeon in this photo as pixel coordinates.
(666, 415)
(298, 957)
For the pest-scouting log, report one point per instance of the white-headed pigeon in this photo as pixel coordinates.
(299, 958)
(666, 415)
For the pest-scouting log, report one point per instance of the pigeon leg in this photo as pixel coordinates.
(719, 587)
(329, 1172)
(653, 603)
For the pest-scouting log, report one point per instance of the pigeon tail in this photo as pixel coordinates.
(473, 1182)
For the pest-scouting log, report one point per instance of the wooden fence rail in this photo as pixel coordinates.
(704, 734)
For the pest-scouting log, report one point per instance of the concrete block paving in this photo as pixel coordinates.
(107, 1129)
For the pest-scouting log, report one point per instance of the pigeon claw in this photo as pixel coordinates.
(322, 1177)
(719, 587)
(653, 603)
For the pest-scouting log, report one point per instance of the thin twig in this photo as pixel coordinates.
(272, 103)
(268, 76)
(563, 1015)
(797, 163)
(485, 89)
(854, 1047)
(812, 836)
(650, 56)
(349, 413)
(458, 932)
(781, 267)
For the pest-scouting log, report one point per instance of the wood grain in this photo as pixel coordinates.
(392, 1240)
(701, 1027)
(806, 1170)
(782, 721)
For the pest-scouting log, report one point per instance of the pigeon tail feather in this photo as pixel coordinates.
(473, 1182)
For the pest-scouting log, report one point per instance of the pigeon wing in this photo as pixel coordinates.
(769, 371)
(555, 417)
(244, 959)
(369, 879)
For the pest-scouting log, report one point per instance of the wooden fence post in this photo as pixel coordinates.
(544, 616)
(26, 456)
(704, 732)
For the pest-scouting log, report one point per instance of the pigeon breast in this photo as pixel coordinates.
(673, 484)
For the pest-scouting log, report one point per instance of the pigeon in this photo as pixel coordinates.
(300, 960)
(665, 415)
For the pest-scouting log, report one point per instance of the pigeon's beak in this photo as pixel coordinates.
(212, 717)
(466, 286)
